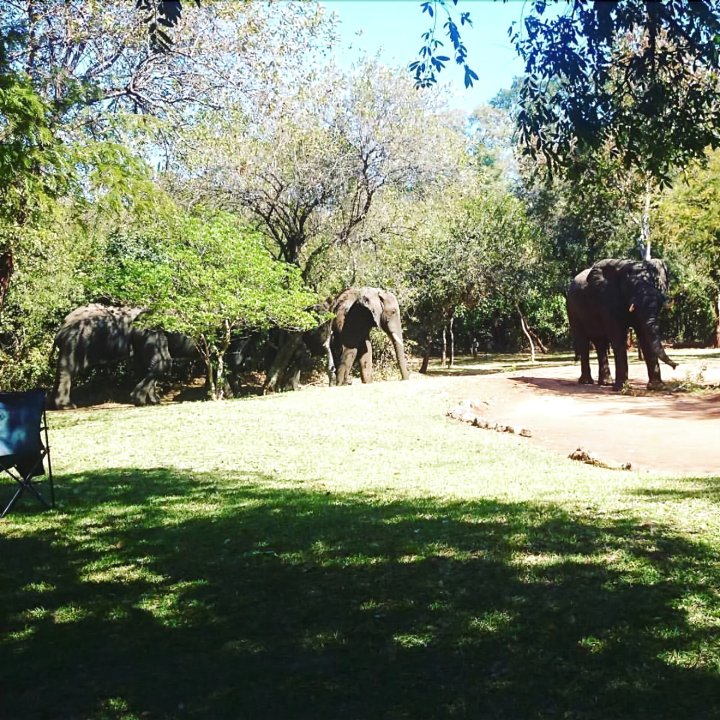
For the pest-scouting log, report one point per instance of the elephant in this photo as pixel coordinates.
(357, 310)
(604, 302)
(97, 334)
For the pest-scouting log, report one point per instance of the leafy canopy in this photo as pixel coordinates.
(641, 75)
(199, 274)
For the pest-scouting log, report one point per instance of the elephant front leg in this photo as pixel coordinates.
(653, 365)
(366, 366)
(345, 367)
(60, 399)
(621, 363)
(144, 393)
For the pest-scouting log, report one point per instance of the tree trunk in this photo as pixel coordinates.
(220, 351)
(644, 239)
(426, 355)
(717, 321)
(284, 357)
(6, 270)
(443, 354)
(451, 341)
(537, 340)
(204, 350)
(525, 329)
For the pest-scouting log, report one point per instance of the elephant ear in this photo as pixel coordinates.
(342, 305)
(370, 298)
(661, 276)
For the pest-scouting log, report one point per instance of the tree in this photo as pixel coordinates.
(91, 60)
(689, 217)
(33, 163)
(311, 173)
(482, 252)
(208, 277)
(431, 58)
(596, 210)
(163, 15)
(78, 73)
(641, 76)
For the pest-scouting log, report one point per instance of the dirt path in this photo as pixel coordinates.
(676, 432)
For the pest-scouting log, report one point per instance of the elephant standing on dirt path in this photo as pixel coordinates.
(607, 299)
(358, 310)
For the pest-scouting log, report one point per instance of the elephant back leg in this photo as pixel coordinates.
(582, 350)
(621, 361)
(366, 363)
(604, 375)
(347, 360)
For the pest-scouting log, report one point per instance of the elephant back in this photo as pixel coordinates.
(96, 335)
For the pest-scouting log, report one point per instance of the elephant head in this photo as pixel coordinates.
(644, 286)
(606, 300)
(357, 311)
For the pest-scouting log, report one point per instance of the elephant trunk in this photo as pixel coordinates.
(657, 347)
(400, 353)
(662, 355)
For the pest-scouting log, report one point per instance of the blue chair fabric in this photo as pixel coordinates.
(24, 445)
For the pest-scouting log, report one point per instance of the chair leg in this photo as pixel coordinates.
(13, 500)
(28, 485)
(25, 482)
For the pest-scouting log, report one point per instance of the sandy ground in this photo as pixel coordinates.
(675, 431)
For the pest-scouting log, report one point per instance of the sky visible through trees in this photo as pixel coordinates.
(393, 29)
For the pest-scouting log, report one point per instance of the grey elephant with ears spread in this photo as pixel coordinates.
(604, 302)
(357, 311)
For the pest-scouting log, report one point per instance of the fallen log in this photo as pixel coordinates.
(472, 413)
(584, 456)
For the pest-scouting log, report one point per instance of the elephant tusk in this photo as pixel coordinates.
(397, 339)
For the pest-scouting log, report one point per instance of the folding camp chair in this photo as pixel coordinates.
(24, 444)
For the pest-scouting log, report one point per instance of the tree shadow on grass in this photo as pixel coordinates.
(690, 488)
(159, 594)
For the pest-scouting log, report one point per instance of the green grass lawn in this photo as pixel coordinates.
(351, 553)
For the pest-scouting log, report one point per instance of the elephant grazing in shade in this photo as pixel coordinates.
(101, 335)
(357, 311)
(604, 301)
